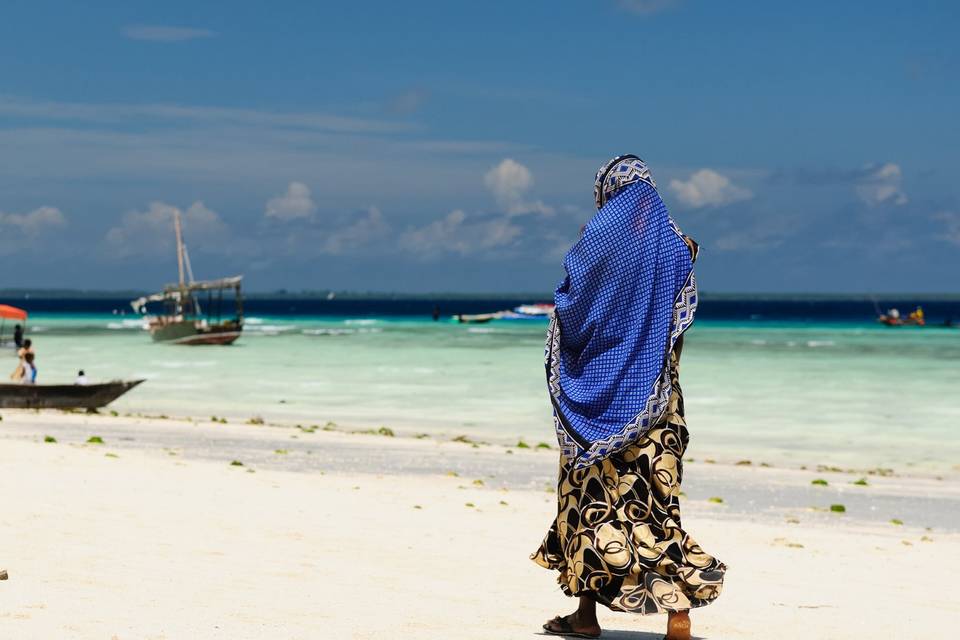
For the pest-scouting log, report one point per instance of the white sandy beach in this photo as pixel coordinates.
(154, 534)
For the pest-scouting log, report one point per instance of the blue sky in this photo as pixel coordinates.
(438, 146)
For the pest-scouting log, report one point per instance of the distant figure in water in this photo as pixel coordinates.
(436, 313)
(18, 336)
(81, 378)
(613, 356)
(29, 369)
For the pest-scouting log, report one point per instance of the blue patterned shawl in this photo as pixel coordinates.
(629, 294)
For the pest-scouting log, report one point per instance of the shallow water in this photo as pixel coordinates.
(845, 394)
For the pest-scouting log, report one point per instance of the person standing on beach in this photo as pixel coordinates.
(18, 336)
(17, 375)
(612, 364)
(29, 370)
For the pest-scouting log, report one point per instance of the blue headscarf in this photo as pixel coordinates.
(629, 295)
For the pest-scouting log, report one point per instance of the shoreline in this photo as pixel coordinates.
(154, 533)
(757, 490)
(401, 430)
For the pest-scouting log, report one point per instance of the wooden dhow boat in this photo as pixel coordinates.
(192, 312)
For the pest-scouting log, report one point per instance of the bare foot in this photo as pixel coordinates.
(572, 625)
(678, 626)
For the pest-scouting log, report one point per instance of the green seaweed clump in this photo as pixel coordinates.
(386, 431)
(50, 439)
(236, 463)
(94, 440)
(715, 500)
(862, 482)
(838, 508)
(896, 521)
(522, 445)
(820, 482)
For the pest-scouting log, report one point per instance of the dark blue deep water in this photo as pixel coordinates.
(723, 308)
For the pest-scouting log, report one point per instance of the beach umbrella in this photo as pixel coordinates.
(10, 313)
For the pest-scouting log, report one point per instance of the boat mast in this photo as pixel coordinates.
(179, 232)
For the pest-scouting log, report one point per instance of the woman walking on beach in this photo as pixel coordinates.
(612, 358)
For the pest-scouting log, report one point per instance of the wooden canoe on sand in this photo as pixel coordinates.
(63, 396)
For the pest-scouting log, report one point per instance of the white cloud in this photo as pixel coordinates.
(160, 33)
(34, 222)
(951, 221)
(646, 7)
(707, 188)
(457, 233)
(882, 185)
(370, 227)
(166, 113)
(509, 182)
(296, 202)
(408, 101)
(21, 230)
(151, 231)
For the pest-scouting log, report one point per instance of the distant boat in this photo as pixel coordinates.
(62, 396)
(892, 318)
(10, 316)
(186, 317)
(522, 312)
(530, 312)
(479, 318)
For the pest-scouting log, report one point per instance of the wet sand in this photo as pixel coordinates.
(325, 534)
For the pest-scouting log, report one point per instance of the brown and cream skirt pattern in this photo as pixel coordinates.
(618, 535)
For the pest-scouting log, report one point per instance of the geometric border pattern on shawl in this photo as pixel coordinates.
(684, 311)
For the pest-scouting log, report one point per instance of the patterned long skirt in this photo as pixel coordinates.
(618, 536)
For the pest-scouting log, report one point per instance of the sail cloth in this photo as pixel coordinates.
(629, 294)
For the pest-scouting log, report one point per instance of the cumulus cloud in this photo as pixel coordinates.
(34, 222)
(509, 182)
(458, 233)
(707, 188)
(369, 228)
(296, 202)
(646, 7)
(151, 230)
(161, 33)
(407, 102)
(951, 223)
(881, 185)
(20, 230)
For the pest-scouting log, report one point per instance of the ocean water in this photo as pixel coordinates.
(803, 391)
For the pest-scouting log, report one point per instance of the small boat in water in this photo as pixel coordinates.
(522, 312)
(478, 318)
(892, 318)
(186, 318)
(63, 396)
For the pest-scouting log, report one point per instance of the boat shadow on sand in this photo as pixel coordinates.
(623, 634)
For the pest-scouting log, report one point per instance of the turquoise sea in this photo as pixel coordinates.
(785, 392)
